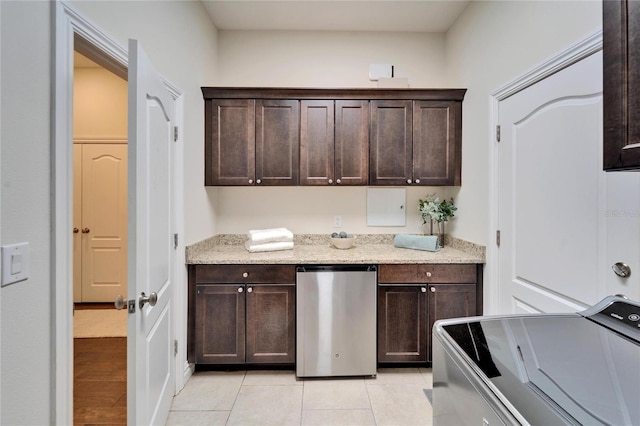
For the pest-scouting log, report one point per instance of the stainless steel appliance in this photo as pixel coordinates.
(336, 320)
(546, 369)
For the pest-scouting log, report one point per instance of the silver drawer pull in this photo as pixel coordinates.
(621, 269)
(429, 274)
(245, 274)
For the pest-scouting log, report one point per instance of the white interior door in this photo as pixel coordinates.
(103, 227)
(150, 372)
(551, 192)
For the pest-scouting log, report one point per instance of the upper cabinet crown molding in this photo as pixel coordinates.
(621, 84)
(309, 136)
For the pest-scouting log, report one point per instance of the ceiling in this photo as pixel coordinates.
(335, 15)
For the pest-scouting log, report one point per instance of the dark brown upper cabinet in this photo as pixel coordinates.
(621, 84)
(283, 136)
(334, 142)
(391, 143)
(251, 142)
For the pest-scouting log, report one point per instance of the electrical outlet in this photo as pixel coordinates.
(337, 221)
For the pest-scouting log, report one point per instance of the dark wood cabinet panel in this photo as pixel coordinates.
(277, 142)
(411, 293)
(316, 142)
(391, 142)
(437, 142)
(230, 141)
(271, 324)
(332, 136)
(450, 301)
(402, 324)
(334, 142)
(351, 142)
(241, 314)
(621, 84)
(428, 273)
(220, 324)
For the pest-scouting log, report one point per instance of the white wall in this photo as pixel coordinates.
(491, 44)
(26, 375)
(181, 41)
(319, 59)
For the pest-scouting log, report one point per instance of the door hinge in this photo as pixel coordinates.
(175, 241)
(175, 348)
(498, 133)
(498, 238)
(175, 133)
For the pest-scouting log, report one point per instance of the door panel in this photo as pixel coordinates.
(316, 142)
(553, 199)
(277, 142)
(150, 375)
(352, 142)
(103, 228)
(391, 143)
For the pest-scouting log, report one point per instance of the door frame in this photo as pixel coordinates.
(574, 53)
(67, 23)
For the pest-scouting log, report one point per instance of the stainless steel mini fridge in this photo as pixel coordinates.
(336, 320)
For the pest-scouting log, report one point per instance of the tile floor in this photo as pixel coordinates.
(395, 397)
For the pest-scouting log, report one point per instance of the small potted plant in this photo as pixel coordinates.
(432, 209)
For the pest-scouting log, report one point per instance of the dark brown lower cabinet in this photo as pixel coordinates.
(402, 324)
(242, 322)
(411, 298)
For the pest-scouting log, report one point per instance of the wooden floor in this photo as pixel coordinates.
(99, 379)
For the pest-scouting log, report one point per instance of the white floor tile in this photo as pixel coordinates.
(337, 418)
(197, 418)
(210, 390)
(335, 394)
(267, 405)
(400, 405)
(271, 378)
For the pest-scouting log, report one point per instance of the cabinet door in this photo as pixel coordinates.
(450, 301)
(220, 324)
(621, 85)
(271, 324)
(437, 142)
(277, 142)
(402, 324)
(391, 143)
(352, 143)
(316, 142)
(229, 148)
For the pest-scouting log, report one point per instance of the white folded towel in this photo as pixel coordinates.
(259, 236)
(272, 246)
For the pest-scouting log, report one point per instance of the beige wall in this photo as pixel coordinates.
(319, 59)
(99, 105)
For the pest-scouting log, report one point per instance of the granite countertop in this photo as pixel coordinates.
(317, 249)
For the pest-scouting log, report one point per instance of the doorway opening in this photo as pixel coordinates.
(99, 236)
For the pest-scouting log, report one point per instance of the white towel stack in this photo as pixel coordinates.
(272, 239)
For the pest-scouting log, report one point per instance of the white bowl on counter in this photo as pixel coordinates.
(343, 243)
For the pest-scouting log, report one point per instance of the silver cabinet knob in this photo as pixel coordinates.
(417, 180)
(338, 181)
(433, 289)
(621, 269)
(250, 290)
(258, 181)
(409, 181)
(250, 181)
(245, 274)
(429, 274)
(423, 289)
(150, 299)
(240, 290)
(330, 181)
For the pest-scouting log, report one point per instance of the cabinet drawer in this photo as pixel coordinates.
(428, 273)
(256, 274)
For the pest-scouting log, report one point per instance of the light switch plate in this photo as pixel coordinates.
(15, 263)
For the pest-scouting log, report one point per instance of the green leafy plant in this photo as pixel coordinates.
(432, 208)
